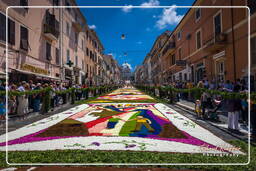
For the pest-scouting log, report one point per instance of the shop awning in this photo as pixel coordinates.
(38, 75)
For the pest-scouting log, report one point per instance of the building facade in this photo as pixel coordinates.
(49, 44)
(208, 43)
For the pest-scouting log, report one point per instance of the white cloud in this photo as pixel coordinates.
(127, 65)
(139, 42)
(127, 8)
(92, 26)
(113, 55)
(169, 17)
(154, 16)
(151, 3)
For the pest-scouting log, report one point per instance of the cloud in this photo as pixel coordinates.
(154, 16)
(92, 26)
(169, 17)
(151, 3)
(127, 8)
(127, 65)
(113, 55)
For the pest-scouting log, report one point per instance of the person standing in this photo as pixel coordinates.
(37, 99)
(204, 102)
(234, 107)
(21, 99)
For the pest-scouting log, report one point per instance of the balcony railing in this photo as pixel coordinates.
(51, 26)
(169, 46)
(78, 26)
(216, 43)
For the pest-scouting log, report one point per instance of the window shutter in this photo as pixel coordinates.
(48, 51)
(24, 38)
(11, 32)
(2, 27)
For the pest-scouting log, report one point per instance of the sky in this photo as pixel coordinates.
(140, 26)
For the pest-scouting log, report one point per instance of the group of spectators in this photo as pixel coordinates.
(23, 104)
(237, 109)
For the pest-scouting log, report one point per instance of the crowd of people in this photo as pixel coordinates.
(23, 104)
(207, 105)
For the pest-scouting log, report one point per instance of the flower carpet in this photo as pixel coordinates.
(124, 95)
(118, 126)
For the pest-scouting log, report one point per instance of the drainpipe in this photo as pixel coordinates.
(233, 41)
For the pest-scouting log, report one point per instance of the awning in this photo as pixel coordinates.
(39, 75)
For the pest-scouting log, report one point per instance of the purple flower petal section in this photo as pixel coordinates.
(130, 146)
(95, 143)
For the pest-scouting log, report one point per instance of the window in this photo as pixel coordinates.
(173, 59)
(87, 52)
(91, 55)
(87, 35)
(67, 29)
(198, 13)
(68, 4)
(68, 55)
(252, 6)
(180, 76)
(220, 70)
(179, 53)
(179, 35)
(57, 56)
(253, 51)
(83, 65)
(76, 38)
(55, 2)
(24, 38)
(76, 60)
(11, 29)
(217, 24)
(198, 40)
(2, 27)
(185, 77)
(11, 32)
(24, 3)
(48, 51)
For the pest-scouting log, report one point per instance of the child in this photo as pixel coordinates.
(198, 109)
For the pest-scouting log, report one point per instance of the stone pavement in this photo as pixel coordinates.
(223, 116)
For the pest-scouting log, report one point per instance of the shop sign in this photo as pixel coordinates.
(181, 62)
(34, 69)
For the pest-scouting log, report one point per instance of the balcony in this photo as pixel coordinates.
(51, 27)
(216, 43)
(77, 26)
(169, 48)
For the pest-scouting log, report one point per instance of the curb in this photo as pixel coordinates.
(185, 106)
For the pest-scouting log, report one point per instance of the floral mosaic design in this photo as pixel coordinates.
(117, 126)
(125, 94)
